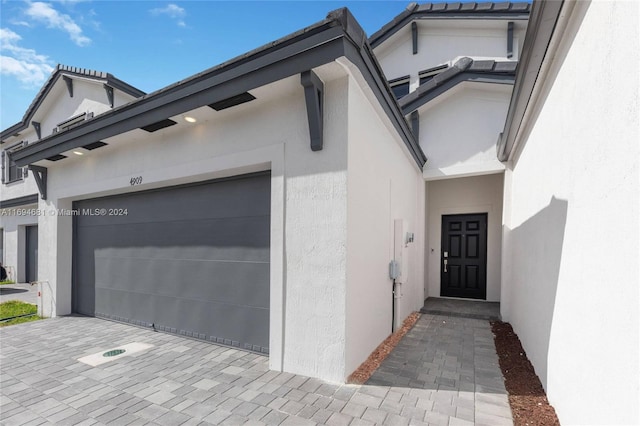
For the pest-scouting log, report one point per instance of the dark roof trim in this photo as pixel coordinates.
(487, 10)
(544, 16)
(465, 69)
(20, 201)
(366, 61)
(65, 72)
(338, 35)
(403, 79)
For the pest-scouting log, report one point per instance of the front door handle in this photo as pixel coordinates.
(445, 265)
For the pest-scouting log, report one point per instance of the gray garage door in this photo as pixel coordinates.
(191, 260)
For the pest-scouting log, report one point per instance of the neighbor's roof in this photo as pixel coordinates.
(58, 72)
(485, 10)
(339, 35)
(465, 69)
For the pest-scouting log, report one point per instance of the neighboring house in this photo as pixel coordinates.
(69, 97)
(490, 149)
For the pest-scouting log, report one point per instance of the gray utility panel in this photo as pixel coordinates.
(191, 260)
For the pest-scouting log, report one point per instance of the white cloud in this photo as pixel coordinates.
(43, 12)
(21, 23)
(24, 64)
(173, 11)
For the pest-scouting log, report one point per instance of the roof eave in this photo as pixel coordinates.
(338, 35)
(544, 17)
(478, 11)
(464, 70)
(59, 71)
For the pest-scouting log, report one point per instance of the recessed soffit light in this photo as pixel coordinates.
(189, 119)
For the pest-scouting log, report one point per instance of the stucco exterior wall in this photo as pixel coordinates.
(308, 203)
(478, 194)
(459, 129)
(571, 282)
(384, 184)
(88, 96)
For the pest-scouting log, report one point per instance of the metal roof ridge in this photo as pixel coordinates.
(415, 11)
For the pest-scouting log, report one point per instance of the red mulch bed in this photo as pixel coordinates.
(366, 369)
(529, 404)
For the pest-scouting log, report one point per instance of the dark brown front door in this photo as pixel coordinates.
(463, 264)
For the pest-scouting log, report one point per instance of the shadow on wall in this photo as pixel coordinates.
(535, 249)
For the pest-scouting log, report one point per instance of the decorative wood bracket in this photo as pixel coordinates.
(109, 91)
(69, 82)
(415, 124)
(36, 126)
(40, 175)
(314, 95)
(510, 40)
(414, 37)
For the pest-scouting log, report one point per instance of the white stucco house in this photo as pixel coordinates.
(489, 151)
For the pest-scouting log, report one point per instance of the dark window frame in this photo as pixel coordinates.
(428, 74)
(12, 172)
(398, 86)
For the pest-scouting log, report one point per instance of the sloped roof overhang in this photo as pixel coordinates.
(339, 35)
(540, 31)
(483, 10)
(63, 71)
(465, 69)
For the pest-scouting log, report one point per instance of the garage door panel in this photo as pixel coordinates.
(239, 325)
(225, 282)
(232, 198)
(191, 260)
(245, 239)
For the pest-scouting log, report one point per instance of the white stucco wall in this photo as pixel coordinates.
(441, 41)
(384, 184)
(20, 188)
(88, 96)
(308, 211)
(571, 283)
(478, 194)
(459, 130)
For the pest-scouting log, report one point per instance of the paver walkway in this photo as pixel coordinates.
(455, 362)
(183, 381)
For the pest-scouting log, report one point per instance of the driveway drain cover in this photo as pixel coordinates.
(101, 357)
(114, 352)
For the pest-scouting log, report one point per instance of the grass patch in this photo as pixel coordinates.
(15, 308)
(7, 282)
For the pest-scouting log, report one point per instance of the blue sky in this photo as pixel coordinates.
(148, 44)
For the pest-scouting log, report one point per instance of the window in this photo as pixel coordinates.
(11, 172)
(428, 74)
(400, 86)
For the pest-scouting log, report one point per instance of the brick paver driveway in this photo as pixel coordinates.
(183, 381)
